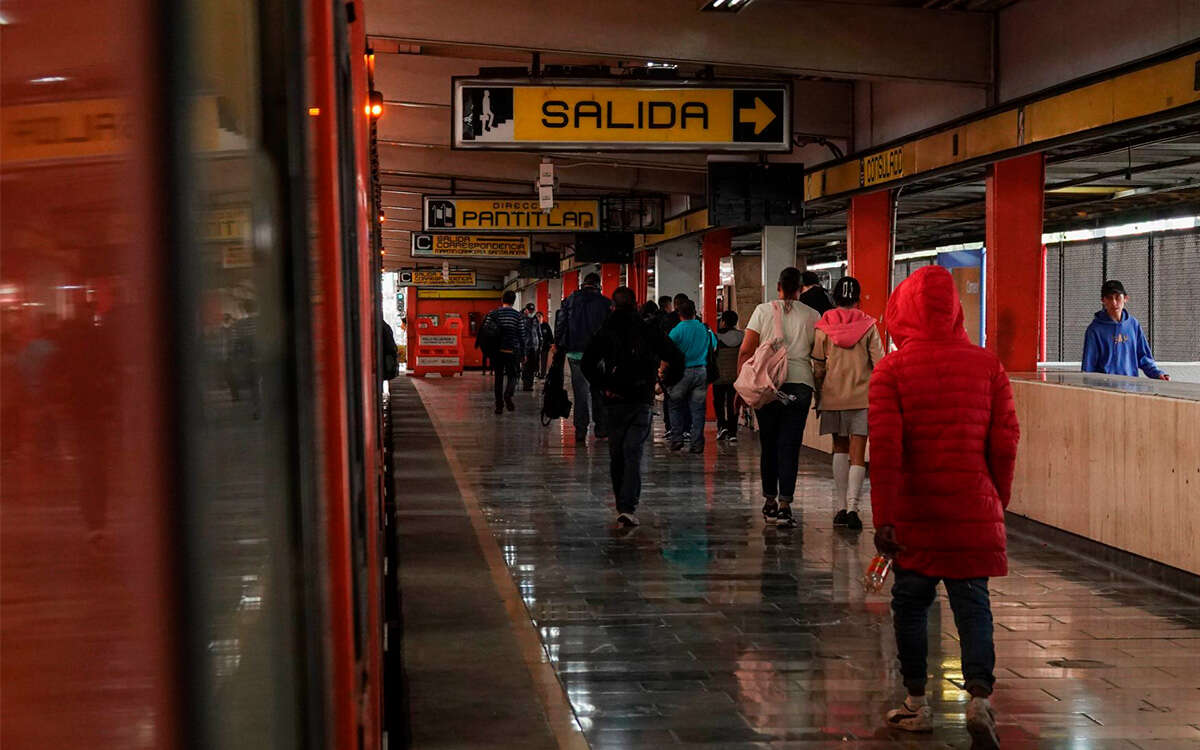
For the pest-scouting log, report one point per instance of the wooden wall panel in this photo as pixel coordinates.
(1121, 469)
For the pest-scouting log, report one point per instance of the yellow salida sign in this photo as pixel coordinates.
(681, 115)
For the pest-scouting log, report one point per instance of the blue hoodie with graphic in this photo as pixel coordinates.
(1118, 348)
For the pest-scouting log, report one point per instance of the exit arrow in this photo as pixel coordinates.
(760, 115)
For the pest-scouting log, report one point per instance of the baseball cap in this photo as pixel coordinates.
(530, 306)
(1112, 286)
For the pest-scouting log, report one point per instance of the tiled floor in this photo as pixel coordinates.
(705, 628)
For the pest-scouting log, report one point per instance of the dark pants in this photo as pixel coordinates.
(724, 400)
(666, 407)
(544, 361)
(781, 434)
(505, 365)
(628, 428)
(912, 594)
(589, 404)
(529, 370)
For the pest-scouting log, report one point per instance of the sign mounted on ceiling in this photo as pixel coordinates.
(426, 245)
(453, 213)
(434, 278)
(603, 114)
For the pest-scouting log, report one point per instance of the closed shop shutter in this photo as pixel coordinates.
(1054, 351)
(1129, 263)
(1082, 266)
(1176, 304)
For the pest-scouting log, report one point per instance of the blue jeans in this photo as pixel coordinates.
(912, 595)
(688, 398)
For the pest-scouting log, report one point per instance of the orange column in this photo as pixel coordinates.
(543, 297)
(610, 278)
(1015, 261)
(869, 244)
(570, 283)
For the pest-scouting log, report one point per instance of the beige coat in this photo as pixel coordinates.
(842, 375)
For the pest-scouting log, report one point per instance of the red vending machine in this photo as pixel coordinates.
(439, 347)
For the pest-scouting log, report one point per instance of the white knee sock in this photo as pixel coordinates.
(857, 475)
(841, 472)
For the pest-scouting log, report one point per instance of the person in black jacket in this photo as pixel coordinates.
(580, 316)
(623, 361)
(547, 343)
(813, 294)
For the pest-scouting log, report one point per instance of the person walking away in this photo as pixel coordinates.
(1115, 343)
(846, 348)
(690, 395)
(532, 340)
(813, 294)
(729, 343)
(580, 316)
(547, 343)
(944, 439)
(781, 423)
(670, 319)
(623, 362)
(506, 358)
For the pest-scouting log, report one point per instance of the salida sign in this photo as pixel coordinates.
(598, 115)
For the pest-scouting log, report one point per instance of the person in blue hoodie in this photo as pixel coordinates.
(1114, 343)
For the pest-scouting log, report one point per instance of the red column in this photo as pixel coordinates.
(543, 297)
(717, 244)
(610, 278)
(869, 244)
(570, 283)
(1015, 194)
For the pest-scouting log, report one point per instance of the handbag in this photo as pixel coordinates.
(763, 374)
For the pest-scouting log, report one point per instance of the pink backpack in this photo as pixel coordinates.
(764, 373)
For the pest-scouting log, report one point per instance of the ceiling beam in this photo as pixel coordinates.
(824, 39)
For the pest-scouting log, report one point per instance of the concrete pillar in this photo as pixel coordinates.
(610, 278)
(1015, 260)
(716, 245)
(747, 286)
(869, 246)
(677, 268)
(778, 252)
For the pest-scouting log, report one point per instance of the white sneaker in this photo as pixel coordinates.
(981, 723)
(911, 719)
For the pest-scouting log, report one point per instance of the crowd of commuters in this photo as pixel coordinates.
(938, 410)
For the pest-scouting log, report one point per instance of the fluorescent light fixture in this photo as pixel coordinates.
(661, 66)
(826, 266)
(723, 6)
(1123, 230)
(48, 79)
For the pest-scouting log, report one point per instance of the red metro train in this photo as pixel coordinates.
(194, 452)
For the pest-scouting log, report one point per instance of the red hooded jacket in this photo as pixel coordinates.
(944, 436)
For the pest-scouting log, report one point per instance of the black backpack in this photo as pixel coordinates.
(713, 368)
(490, 336)
(555, 402)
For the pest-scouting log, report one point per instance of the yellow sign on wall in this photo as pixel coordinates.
(609, 114)
(498, 214)
(426, 245)
(69, 129)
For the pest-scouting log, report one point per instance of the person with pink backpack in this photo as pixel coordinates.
(775, 378)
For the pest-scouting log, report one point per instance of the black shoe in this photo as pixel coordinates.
(509, 403)
(499, 408)
(676, 446)
(732, 438)
(783, 519)
(853, 522)
(722, 434)
(770, 510)
(696, 449)
(840, 518)
(627, 520)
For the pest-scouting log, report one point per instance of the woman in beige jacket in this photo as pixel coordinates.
(845, 349)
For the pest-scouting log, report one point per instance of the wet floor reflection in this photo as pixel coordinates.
(704, 627)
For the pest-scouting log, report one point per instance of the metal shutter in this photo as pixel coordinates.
(1054, 351)
(1176, 309)
(1082, 266)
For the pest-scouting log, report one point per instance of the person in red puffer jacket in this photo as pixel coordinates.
(944, 438)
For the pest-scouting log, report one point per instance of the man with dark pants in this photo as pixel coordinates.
(943, 451)
(531, 330)
(506, 360)
(580, 316)
(623, 362)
